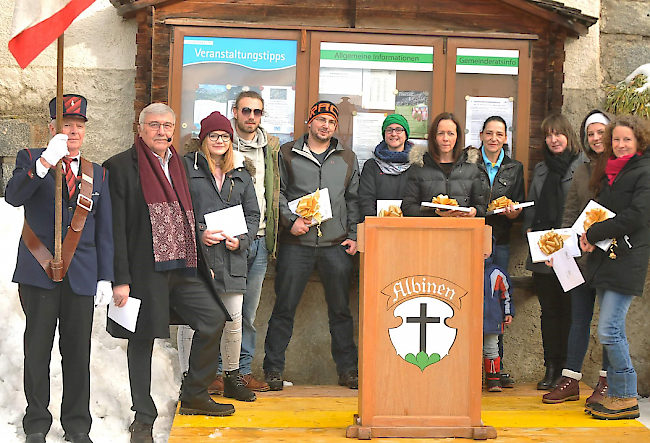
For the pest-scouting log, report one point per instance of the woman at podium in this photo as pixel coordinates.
(443, 168)
(383, 176)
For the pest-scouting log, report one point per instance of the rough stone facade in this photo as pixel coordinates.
(100, 64)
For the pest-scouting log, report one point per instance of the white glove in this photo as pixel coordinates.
(57, 148)
(104, 293)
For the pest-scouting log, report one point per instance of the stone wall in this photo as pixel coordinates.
(99, 63)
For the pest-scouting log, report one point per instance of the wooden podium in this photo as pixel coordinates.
(421, 328)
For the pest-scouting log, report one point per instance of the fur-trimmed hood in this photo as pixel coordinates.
(241, 161)
(416, 156)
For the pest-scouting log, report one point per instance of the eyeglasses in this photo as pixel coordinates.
(213, 136)
(156, 125)
(324, 121)
(397, 131)
(247, 111)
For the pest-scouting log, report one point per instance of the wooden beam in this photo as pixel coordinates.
(353, 13)
(129, 10)
(574, 27)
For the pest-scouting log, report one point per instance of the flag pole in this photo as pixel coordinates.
(57, 263)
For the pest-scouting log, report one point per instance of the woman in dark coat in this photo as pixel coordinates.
(583, 297)
(621, 181)
(383, 176)
(218, 179)
(444, 168)
(549, 187)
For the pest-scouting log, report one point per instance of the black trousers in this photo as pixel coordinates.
(191, 298)
(44, 308)
(556, 318)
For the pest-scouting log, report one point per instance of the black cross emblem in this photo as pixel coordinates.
(423, 320)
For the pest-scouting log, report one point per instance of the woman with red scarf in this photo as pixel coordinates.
(621, 181)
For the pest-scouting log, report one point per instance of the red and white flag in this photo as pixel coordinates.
(37, 23)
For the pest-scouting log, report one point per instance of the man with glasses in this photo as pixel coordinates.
(262, 149)
(316, 161)
(156, 263)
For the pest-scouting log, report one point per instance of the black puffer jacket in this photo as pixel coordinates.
(375, 185)
(426, 180)
(509, 181)
(229, 267)
(629, 198)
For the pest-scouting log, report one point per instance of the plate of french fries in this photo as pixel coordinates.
(442, 201)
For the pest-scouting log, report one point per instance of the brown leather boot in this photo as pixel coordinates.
(600, 391)
(568, 388)
(613, 408)
(254, 385)
(217, 386)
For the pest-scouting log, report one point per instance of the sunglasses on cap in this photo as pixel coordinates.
(247, 112)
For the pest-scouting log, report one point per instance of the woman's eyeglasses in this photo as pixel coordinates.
(247, 112)
(213, 136)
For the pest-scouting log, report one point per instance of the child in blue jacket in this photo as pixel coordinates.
(498, 310)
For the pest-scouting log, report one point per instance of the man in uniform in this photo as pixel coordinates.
(66, 298)
(156, 262)
(316, 161)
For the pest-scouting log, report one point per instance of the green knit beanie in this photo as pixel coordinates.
(395, 118)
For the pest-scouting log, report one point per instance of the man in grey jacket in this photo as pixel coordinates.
(316, 161)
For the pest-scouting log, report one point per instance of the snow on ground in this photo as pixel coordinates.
(110, 398)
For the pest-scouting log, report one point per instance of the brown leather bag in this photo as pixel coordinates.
(69, 246)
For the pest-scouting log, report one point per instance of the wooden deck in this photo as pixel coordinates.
(320, 414)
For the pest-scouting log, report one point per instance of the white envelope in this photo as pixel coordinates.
(520, 205)
(324, 205)
(127, 315)
(230, 220)
(429, 205)
(570, 244)
(579, 228)
(384, 204)
(566, 269)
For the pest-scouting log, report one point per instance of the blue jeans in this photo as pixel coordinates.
(621, 375)
(501, 256)
(294, 266)
(583, 299)
(257, 257)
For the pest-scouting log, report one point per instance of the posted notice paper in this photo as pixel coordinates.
(566, 269)
(230, 220)
(127, 315)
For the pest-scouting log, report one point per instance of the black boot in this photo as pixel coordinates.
(557, 376)
(545, 383)
(233, 387)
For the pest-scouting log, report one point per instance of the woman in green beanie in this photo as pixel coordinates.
(383, 175)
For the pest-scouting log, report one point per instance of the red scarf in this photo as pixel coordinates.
(170, 210)
(614, 166)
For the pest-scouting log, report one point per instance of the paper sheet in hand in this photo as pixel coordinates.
(127, 315)
(579, 227)
(566, 269)
(570, 244)
(520, 205)
(324, 205)
(230, 220)
(430, 205)
(384, 204)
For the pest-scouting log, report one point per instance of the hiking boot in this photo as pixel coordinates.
(217, 386)
(492, 374)
(274, 380)
(141, 432)
(506, 380)
(568, 389)
(205, 407)
(254, 385)
(233, 387)
(350, 379)
(600, 391)
(612, 408)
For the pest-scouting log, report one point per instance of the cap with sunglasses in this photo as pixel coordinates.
(247, 111)
(214, 122)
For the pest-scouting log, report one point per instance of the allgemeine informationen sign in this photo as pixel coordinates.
(487, 61)
(380, 57)
(263, 55)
